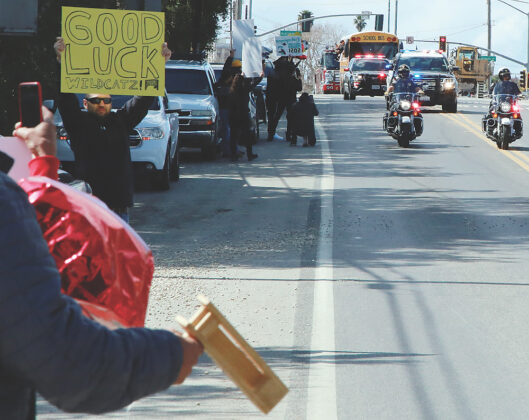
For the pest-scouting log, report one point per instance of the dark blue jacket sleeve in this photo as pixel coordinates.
(74, 363)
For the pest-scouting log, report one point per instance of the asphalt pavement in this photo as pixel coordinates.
(378, 282)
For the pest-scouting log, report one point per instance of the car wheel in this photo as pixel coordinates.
(162, 177)
(450, 107)
(175, 166)
(345, 92)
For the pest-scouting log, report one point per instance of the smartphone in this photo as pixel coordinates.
(6, 162)
(30, 103)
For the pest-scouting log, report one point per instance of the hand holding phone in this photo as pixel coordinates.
(30, 103)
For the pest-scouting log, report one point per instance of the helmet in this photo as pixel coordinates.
(504, 74)
(403, 71)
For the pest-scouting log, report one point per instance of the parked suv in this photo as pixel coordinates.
(153, 142)
(430, 71)
(366, 75)
(189, 86)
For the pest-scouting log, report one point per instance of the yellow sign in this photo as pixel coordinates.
(112, 51)
(374, 37)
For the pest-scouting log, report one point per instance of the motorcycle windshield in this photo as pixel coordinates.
(405, 96)
(511, 99)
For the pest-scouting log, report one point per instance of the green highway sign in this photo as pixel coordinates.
(290, 33)
(488, 57)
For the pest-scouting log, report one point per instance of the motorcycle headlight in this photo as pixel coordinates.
(505, 107)
(149, 133)
(405, 105)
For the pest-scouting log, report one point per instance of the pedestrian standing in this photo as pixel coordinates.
(286, 85)
(222, 90)
(301, 118)
(99, 140)
(239, 98)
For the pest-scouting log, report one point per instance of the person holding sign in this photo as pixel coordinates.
(99, 140)
(47, 345)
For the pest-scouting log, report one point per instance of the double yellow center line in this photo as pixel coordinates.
(521, 159)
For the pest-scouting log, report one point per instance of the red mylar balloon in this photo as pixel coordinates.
(101, 259)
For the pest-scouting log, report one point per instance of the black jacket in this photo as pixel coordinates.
(238, 102)
(101, 146)
(285, 83)
(222, 86)
(301, 116)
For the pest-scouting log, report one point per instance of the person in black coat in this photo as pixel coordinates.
(238, 99)
(301, 119)
(100, 140)
(286, 83)
(222, 91)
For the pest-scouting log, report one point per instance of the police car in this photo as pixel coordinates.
(431, 71)
(366, 75)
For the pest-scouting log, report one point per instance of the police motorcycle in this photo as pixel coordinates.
(404, 121)
(503, 124)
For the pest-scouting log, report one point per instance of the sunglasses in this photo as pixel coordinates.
(96, 101)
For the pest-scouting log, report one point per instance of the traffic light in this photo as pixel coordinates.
(305, 26)
(442, 43)
(379, 22)
(523, 79)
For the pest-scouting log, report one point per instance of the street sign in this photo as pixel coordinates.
(488, 57)
(410, 40)
(290, 33)
(288, 46)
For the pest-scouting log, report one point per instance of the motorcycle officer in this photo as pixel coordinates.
(504, 86)
(403, 84)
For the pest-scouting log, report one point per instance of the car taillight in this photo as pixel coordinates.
(382, 75)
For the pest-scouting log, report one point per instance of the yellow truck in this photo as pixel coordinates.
(472, 72)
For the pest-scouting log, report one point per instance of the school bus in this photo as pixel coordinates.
(375, 43)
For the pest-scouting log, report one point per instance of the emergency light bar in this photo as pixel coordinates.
(379, 56)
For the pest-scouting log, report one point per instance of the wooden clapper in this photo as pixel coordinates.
(235, 356)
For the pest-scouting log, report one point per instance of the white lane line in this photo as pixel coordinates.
(321, 400)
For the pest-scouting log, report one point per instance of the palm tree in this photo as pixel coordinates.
(305, 14)
(360, 23)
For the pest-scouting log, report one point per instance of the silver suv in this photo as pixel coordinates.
(190, 89)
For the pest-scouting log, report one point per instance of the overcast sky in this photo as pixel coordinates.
(460, 20)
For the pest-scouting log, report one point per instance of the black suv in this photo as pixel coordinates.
(432, 73)
(366, 75)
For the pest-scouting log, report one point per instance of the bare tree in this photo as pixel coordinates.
(321, 37)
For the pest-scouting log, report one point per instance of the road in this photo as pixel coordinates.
(378, 282)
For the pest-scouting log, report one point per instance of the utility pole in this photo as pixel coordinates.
(396, 14)
(389, 13)
(489, 23)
